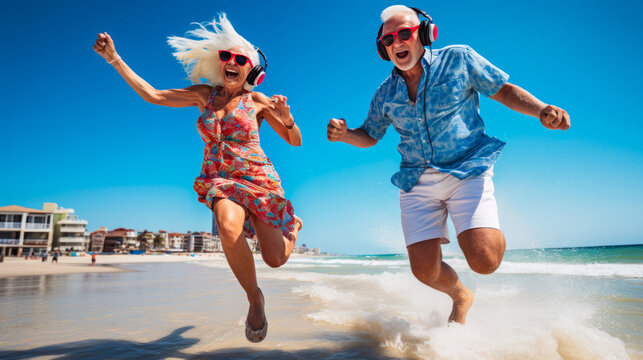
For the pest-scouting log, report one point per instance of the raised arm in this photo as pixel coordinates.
(337, 130)
(520, 100)
(196, 95)
(277, 113)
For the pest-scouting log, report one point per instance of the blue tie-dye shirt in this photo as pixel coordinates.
(452, 140)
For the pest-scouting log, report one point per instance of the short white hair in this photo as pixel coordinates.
(200, 56)
(397, 9)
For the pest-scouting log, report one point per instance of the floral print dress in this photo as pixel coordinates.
(235, 167)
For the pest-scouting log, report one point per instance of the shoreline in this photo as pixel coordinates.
(18, 266)
(15, 267)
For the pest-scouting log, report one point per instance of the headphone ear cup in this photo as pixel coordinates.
(381, 50)
(256, 75)
(423, 32)
(433, 32)
(260, 78)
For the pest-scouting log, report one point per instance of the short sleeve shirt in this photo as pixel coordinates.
(443, 128)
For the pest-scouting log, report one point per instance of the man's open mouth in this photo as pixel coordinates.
(231, 74)
(402, 54)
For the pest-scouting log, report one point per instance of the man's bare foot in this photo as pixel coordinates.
(461, 304)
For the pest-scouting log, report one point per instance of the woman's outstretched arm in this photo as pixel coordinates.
(277, 114)
(196, 95)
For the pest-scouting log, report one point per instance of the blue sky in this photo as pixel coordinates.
(74, 133)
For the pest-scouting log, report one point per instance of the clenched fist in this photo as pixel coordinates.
(552, 117)
(336, 129)
(104, 46)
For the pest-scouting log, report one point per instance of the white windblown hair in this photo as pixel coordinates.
(397, 9)
(200, 56)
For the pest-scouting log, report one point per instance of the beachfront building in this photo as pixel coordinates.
(216, 244)
(97, 239)
(191, 241)
(306, 250)
(163, 234)
(145, 240)
(69, 230)
(205, 242)
(120, 240)
(178, 242)
(24, 230)
(252, 243)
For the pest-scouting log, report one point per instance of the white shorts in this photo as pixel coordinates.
(470, 203)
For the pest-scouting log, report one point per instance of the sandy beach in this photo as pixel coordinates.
(13, 266)
(571, 304)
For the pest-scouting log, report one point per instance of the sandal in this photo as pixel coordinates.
(255, 336)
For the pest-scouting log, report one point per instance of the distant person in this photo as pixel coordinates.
(93, 259)
(44, 256)
(237, 181)
(431, 98)
(54, 259)
(2, 255)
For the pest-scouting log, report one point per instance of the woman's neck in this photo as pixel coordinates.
(230, 93)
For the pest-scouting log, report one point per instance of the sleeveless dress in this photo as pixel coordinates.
(236, 168)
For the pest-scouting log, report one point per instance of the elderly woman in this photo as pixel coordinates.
(237, 180)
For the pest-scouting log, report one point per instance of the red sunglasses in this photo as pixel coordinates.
(404, 34)
(240, 59)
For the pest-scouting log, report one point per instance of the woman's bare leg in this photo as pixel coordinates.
(275, 248)
(229, 217)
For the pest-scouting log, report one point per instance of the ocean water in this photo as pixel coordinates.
(580, 303)
(583, 303)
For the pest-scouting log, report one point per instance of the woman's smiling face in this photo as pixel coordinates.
(233, 74)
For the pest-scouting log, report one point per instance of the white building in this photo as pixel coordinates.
(70, 232)
(24, 230)
(178, 242)
(164, 235)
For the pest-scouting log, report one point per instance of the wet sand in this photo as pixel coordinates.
(160, 311)
(15, 266)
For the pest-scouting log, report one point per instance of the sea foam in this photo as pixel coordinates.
(506, 267)
(409, 318)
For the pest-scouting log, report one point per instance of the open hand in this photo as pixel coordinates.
(281, 108)
(336, 129)
(552, 117)
(104, 46)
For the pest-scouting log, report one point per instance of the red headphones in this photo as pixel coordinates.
(427, 32)
(258, 73)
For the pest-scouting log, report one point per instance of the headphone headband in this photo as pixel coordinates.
(420, 12)
(265, 61)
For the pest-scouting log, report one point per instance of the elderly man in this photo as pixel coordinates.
(431, 98)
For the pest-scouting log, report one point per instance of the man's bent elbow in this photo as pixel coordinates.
(370, 142)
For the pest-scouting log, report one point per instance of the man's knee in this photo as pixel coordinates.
(483, 249)
(425, 258)
(425, 272)
(485, 263)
